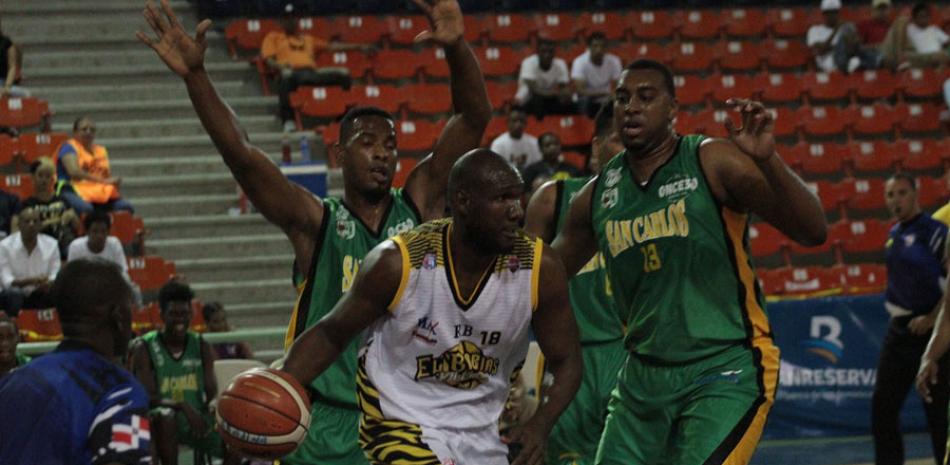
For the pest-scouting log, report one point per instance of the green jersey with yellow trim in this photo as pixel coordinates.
(181, 378)
(343, 241)
(677, 259)
(594, 310)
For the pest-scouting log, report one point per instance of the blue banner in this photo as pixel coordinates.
(830, 349)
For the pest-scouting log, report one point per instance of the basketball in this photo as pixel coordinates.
(264, 413)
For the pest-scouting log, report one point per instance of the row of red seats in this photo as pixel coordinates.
(818, 159)
(844, 237)
(564, 26)
(28, 147)
(849, 279)
(23, 112)
(867, 194)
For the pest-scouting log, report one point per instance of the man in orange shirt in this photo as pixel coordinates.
(292, 55)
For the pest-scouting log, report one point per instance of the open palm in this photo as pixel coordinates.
(445, 17)
(756, 136)
(179, 51)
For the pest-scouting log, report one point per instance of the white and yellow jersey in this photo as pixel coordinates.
(441, 359)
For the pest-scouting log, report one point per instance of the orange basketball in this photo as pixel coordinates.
(264, 413)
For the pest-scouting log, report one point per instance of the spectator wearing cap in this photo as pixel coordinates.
(833, 42)
(594, 73)
(291, 53)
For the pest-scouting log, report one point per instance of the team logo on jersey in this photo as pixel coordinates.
(609, 198)
(612, 177)
(133, 435)
(345, 226)
(464, 366)
(909, 240)
(400, 228)
(514, 264)
(678, 188)
(425, 330)
(428, 261)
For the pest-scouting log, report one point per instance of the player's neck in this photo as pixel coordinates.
(467, 258)
(369, 209)
(173, 341)
(645, 162)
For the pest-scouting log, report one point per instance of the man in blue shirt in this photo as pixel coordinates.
(76, 405)
(915, 269)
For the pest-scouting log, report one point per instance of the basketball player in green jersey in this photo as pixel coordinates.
(670, 218)
(330, 237)
(574, 439)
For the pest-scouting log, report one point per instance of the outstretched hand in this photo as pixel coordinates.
(445, 17)
(182, 53)
(755, 137)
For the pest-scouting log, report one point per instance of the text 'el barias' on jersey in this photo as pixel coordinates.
(665, 222)
(464, 366)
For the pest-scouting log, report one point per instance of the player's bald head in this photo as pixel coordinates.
(478, 170)
(85, 289)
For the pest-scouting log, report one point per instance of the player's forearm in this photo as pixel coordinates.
(798, 210)
(219, 121)
(469, 96)
(313, 352)
(567, 379)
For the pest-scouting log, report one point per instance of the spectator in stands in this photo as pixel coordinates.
(82, 166)
(177, 369)
(29, 262)
(830, 41)
(10, 207)
(10, 60)
(867, 41)
(76, 404)
(551, 166)
(915, 267)
(59, 220)
(594, 73)
(544, 84)
(98, 243)
(928, 40)
(9, 338)
(217, 320)
(519, 148)
(291, 54)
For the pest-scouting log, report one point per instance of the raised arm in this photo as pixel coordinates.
(428, 182)
(368, 300)
(576, 243)
(939, 341)
(287, 205)
(553, 324)
(747, 174)
(539, 220)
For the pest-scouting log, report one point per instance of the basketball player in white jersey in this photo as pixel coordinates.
(448, 307)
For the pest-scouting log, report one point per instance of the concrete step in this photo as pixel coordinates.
(211, 247)
(131, 74)
(171, 89)
(233, 292)
(201, 144)
(179, 205)
(71, 24)
(123, 40)
(86, 7)
(246, 315)
(244, 268)
(198, 226)
(134, 167)
(144, 56)
(160, 109)
(193, 184)
(167, 127)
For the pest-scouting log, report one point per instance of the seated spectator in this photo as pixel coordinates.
(551, 166)
(544, 84)
(217, 320)
(867, 42)
(98, 243)
(519, 148)
(82, 166)
(59, 220)
(10, 60)
(292, 55)
(9, 338)
(928, 40)
(830, 40)
(176, 366)
(10, 206)
(594, 73)
(29, 262)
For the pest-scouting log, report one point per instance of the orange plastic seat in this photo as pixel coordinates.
(867, 194)
(558, 26)
(919, 118)
(354, 60)
(739, 56)
(613, 25)
(40, 144)
(691, 89)
(395, 64)
(651, 24)
(691, 57)
(827, 86)
(19, 184)
(22, 112)
(417, 136)
(875, 84)
(247, 35)
(918, 154)
(765, 240)
(744, 22)
(790, 22)
(384, 96)
(786, 54)
(39, 325)
(358, 29)
(428, 98)
(729, 86)
(510, 27)
(778, 87)
(698, 24)
(402, 30)
(874, 120)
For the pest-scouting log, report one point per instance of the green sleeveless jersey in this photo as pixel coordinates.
(179, 379)
(591, 299)
(343, 241)
(678, 261)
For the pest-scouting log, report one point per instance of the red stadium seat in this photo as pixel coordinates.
(22, 112)
(197, 323)
(864, 236)
(739, 56)
(786, 54)
(145, 319)
(830, 195)
(315, 26)
(125, 226)
(496, 127)
(8, 148)
(433, 64)
(932, 192)
(872, 157)
(247, 34)
(691, 57)
(822, 158)
(511, 27)
(867, 194)
(765, 240)
(32, 146)
(791, 22)
(710, 122)
(476, 28)
(778, 87)
(572, 130)
(358, 29)
(501, 93)
(730, 86)
(827, 86)
(354, 60)
(919, 118)
(404, 166)
(653, 51)
(149, 272)
(558, 26)
(39, 325)
(651, 25)
(698, 24)
(395, 64)
(864, 278)
(918, 155)
(875, 84)
(417, 136)
(429, 98)
(19, 184)
(614, 25)
(744, 22)
(921, 83)
(813, 280)
(384, 96)
(576, 159)
(874, 120)
(500, 61)
(691, 89)
(404, 29)
(319, 102)
(823, 121)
